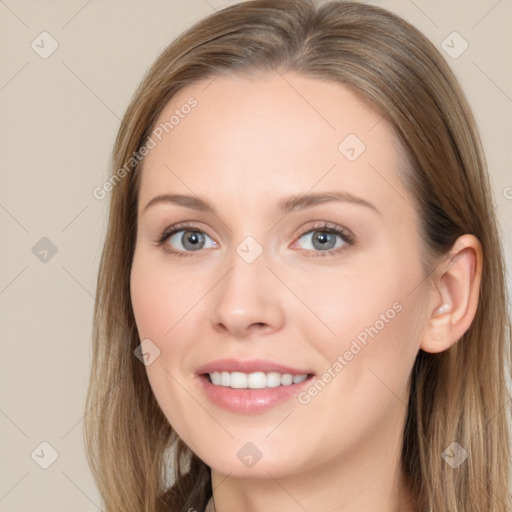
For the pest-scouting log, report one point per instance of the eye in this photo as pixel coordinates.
(185, 239)
(323, 239)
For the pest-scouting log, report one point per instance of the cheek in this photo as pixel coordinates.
(160, 305)
(374, 314)
(168, 306)
(368, 363)
(147, 295)
(159, 298)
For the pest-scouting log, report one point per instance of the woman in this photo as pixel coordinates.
(301, 301)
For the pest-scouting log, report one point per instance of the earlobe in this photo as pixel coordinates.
(455, 296)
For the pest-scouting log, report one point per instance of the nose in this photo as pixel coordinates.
(248, 299)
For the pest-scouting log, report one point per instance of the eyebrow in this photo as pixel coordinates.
(286, 205)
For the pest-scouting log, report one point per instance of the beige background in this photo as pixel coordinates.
(59, 119)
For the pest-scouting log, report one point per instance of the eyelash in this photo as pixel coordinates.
(323, 227)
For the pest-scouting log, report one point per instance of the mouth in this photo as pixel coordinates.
(251, 386)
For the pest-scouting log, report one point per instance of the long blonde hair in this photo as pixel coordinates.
(137, 459)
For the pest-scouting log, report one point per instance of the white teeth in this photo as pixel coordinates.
(273, 379)
(299, 378)
(256, 380)
(238, 380)
(286, 379)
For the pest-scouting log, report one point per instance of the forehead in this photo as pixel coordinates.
(281, 132)
(274, 108)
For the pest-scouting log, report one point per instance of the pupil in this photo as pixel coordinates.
(193, 239)
(323, 238)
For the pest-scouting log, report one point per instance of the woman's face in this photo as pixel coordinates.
(260, 277)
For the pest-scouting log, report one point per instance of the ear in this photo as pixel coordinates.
(454, 299)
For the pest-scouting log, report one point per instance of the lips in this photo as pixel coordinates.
(249, 400)
(234, 396)
(250, 366)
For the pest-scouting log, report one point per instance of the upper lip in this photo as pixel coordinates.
(248, 366)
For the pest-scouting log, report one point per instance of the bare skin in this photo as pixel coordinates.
(244, 147)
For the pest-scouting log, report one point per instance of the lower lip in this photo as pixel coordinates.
(250, 401)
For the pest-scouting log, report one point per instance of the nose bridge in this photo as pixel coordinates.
(248, 294)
